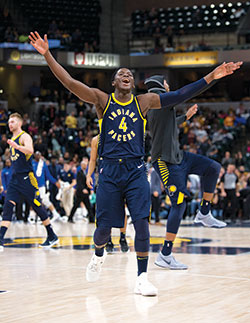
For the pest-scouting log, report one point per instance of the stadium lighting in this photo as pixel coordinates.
(195, 7)
(239, 4)
(214, 17)
(227, 23)
(199, 24)
(230, 4)
(206, 12)
(190, 25)
(218, 23)
(206, 18)
(209, 24)
(212, 6)
(215, 11)
(221, 5)
(224, 10)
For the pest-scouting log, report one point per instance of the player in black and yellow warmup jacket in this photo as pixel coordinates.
(122, 173)
(23, 181)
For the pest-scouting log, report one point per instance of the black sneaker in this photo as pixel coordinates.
(124, 245)
(110, 247)
(70, 220)
(48, 243)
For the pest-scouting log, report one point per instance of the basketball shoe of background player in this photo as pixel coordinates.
(208, 220)
(169, 262)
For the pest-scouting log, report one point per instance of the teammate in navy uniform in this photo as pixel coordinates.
(23, 181)
(122, 173)
(173, 166)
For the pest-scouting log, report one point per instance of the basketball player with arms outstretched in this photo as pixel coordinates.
(122, 172)
(23, 181)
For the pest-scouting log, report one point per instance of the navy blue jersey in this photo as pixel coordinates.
(66, 176)
(21, 163)
(122, 129)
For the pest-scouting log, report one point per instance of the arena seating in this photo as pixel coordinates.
(214, 18)
(82, 15)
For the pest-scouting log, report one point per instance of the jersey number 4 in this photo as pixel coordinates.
(123, 125)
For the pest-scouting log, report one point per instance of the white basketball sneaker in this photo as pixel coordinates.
(169, 262)
(144, 287)
(94, 267)
(208, 220)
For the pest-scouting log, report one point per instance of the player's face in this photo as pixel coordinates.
(14, 124)
(124, 79)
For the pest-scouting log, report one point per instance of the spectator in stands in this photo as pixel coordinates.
(229, 120)
(230, 192)
(33, 129)
(227, 159)
(6, 175)
(71, 123)
(66, 192)
(81, 121)
(3, 144)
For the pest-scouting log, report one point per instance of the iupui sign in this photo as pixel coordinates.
(92, 60)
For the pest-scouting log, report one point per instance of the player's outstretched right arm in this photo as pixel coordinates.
(81, 90)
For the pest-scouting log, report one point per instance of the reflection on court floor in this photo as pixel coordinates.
(181, 245)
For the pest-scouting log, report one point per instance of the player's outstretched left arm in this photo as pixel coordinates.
(222, 70)
(26, 146)
(169, 99)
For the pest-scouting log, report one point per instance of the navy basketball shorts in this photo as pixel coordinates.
(122, 181)
(174, 177)
(24, 184)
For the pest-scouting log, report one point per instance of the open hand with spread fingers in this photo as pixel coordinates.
(41, 45)
(191, 111)
(226, 69)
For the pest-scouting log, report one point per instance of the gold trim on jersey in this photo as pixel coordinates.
(33, 180)
(107, 105)
(18, 135)
(141, 115)
(123, 103)
(104, 111)
(163, 171)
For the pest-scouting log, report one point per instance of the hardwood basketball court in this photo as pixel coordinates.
(49, 285)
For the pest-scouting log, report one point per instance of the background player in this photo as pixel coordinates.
(23, 181)
(43, 174)
(122, 173)
(91, 169)
(173, 166)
